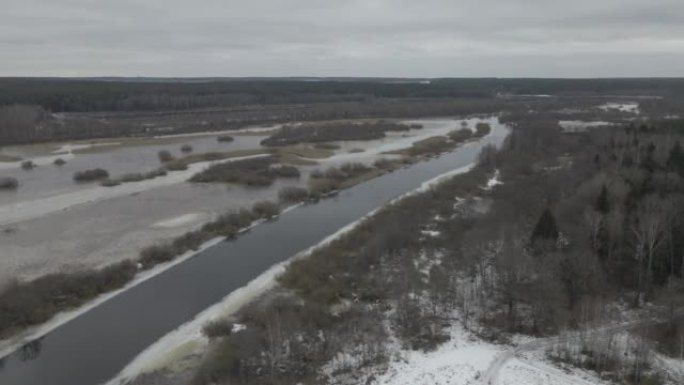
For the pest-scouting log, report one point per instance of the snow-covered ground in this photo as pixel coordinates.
(630, 107)
(466, 359)
(70, 147)
(537, 371)
(181, 220)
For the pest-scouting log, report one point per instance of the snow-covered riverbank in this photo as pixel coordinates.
(188, 340)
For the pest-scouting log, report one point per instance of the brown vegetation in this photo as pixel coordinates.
(315, 133)
(91, 175)
(8, 183)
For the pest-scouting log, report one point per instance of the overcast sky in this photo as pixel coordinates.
(402, 38)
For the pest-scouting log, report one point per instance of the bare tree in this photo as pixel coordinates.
(649, 227)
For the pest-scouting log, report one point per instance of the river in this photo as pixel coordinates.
(94, 347)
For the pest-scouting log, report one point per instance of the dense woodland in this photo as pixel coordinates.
(583, 223)
(84, 95)
(64, 109)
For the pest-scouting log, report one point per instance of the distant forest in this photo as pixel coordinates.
(129, 94)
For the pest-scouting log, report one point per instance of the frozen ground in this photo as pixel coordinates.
(465, 360)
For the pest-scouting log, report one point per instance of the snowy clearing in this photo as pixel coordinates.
(631, 107)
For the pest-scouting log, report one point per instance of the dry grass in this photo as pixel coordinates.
(303, 151)
(252, 133)
(295, 160)
(209, 156)
(9, 158)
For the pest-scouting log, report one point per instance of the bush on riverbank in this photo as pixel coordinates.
(266, 209)
(8, 183)
(133, 177)
(28, 165)
(165, 156)
(91, 175)
(285, 171)
(327, 146)
(482, 129)
(34, 302)
(293, 194)
(460, 136)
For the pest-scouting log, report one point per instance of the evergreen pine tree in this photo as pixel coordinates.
(675, 162)
(546, 229)
(602, 204)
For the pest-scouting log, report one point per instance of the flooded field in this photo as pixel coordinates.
(50, 223)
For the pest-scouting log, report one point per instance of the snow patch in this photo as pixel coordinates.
(69, 148)
(494, 180)
(180, 221)
(630, 107)
(457, 362)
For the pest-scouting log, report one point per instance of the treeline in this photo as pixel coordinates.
(42, 126)
(87, 95)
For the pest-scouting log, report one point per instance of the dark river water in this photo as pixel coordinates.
(94, 347)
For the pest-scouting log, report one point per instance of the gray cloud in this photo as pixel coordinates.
(427, 38)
